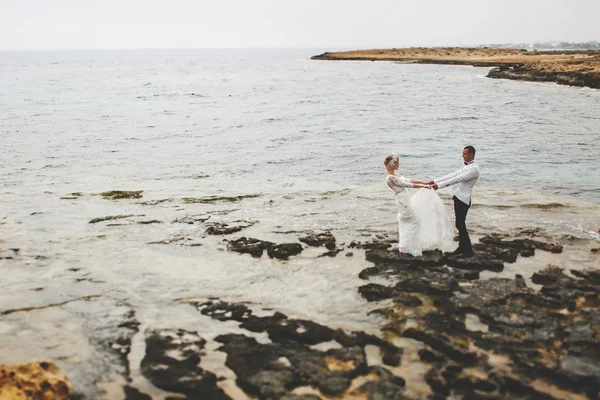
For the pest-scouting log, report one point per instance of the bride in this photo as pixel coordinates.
(423, 223)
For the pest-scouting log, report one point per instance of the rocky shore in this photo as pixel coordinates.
(573, 68)
(451, 328)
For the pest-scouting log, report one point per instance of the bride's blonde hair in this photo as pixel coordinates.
(389, 160)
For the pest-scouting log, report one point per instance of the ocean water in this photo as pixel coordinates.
(306, 138)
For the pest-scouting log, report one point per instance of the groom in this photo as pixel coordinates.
(462, 182)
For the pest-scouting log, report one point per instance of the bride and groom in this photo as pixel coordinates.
(422, 217)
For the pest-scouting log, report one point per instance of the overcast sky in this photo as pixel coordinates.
(115, 24)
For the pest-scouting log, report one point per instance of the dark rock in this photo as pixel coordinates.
(284, 251)
(430, 356)
(428, 259)
(522, 244)
(254, 247)
(547, 276)
(171, 363)
(408, 300)
(374, 292)
(216, 199)
(132, 393)
(192, 219)
(442, 344)
(220, 228)
(429, 283)
(319, 239)
(562, 78)
(506, 254)
(385, 387)
(476, 263)
(332, 253)
(122, 194)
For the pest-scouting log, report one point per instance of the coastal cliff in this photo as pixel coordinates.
(574, 68)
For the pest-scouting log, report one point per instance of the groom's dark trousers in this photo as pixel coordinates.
(460, 211)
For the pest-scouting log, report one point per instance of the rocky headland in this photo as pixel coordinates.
(572, 67)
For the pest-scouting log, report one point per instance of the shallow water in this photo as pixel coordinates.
(307, 137)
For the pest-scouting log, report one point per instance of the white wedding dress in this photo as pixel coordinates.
(423, 223)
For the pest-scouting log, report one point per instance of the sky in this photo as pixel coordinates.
(335, 24)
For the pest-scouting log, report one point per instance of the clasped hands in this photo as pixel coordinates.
(429, 185)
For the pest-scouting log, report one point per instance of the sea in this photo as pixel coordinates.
(291, 146)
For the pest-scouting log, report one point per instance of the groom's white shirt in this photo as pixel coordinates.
(462, 181)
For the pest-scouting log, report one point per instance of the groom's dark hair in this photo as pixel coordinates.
(471, 150)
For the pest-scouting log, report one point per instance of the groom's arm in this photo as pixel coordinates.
(446, 177)
(465, 176)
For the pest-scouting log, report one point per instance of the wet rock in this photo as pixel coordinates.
(442, 344)
(430, 283)
(216, 199)
(430, 357)
(220, 228)
(122, 194)
(261, 371)
(273, 370)
(172, 362)
(408, 300)
(109, 218)
(522, 244)
(319, 239)
(491, 291)
(374, 292)
(132, 393)
(428, 259)
(283, 251)
(254, 247)
(506, 254)
(37, 380)
(479, 262)
(547, 276)
(385, 386)
(333, 253)
(375, 244)
(192, 219)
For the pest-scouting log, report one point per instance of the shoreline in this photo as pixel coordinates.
(573, 68)
(480, 326)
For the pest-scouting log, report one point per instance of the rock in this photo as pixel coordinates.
(254, 247)
(332, 253)
(220, 228)
(547, 276)
(284, 251)
(442, 344)
(122, 194)
(319, 239)
(428, 259)
(522, 244)
(373, 292)
(109, 218)
(217, 199)
(408, 300)
(37, 380)
(479, 262)
(273, 370)
(172, 362)
(132, 393)
(386, 386)
(192, 219)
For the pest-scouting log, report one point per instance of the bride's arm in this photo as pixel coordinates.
(419, 184)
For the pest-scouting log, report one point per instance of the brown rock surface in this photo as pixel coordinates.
(573, 67)
(36, 380)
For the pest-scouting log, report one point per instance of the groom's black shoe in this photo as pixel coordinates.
(456, 252)
(466, 254)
